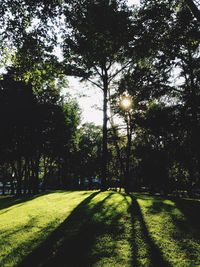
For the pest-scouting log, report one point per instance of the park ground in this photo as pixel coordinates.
(100, 229)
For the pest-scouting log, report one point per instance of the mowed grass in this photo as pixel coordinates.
(26, 222)
(100, 229)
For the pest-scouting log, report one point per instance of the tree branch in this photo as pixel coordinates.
(96, 84)
(120, 70)
(193, 8)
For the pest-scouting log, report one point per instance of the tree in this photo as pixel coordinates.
(43, 127)
(21, 17)
(169, 40)
(28, 38)
(95, 40)
(88, 156)
(37, 138)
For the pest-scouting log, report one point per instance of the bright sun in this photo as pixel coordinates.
(126, 103)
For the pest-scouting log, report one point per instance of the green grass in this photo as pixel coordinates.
(108, 229)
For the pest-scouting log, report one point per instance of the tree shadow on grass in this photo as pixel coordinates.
(184, 222)
(140, 231)
(191, 210)
(87, 236)
(184, 214)
(188, 229)
(189, 207)
(18, 252)
(69, 244)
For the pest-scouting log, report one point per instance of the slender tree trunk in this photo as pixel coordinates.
(12, 187)
(45, 173)
(128, 153)
(194, 136)
(115, 135)
(3, 187)
(19, 177)
(122, 169)
(36, 176)
(30, 178)
(105, 133)
(13, 172)
(26, 175)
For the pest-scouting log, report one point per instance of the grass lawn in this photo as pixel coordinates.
(108, 229)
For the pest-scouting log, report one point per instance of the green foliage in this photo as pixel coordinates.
(89, 153)
(165, 87)
(97, 36)
(155, 47)
(37, 136)
(95, 39)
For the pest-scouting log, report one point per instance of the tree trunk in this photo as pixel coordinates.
(3, 187)
(115, 135)
(128, 153)
(194, 129)
(26, 175)
(19, 174)
(105, 133)
(36, 177)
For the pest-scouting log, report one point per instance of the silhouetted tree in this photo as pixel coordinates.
(34, 134)
(88, 157)
(95, 40)
(168, 47)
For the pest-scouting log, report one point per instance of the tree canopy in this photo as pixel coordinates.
(149, 52)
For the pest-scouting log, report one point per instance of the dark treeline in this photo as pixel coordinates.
(148, 54)
(165, 88)
(36, 138)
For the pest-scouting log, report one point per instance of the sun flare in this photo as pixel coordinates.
(126, 102)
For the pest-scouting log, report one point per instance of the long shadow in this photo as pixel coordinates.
(155, 255)
(61, 248)
(28, 244)
(73, 243)
(189, 223)
(191, 210)
(188, 228)
(189, 207)
(183, 215)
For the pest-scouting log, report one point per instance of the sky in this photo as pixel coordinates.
(135, 2)
(89, 97)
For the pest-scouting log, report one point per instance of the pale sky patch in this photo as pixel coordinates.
(133, 2)
(90, 100)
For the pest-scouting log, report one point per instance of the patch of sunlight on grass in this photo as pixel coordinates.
(26, 224)
(177, 238)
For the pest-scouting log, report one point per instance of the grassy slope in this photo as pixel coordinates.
(168, 231)
(83, 229)
(25, 222)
